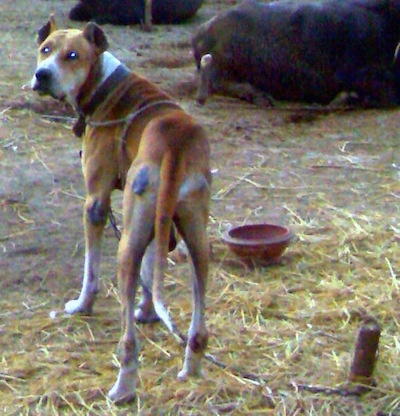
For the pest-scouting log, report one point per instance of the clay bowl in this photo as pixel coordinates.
(258, 244)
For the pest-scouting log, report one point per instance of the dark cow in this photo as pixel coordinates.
(303, 50)
(127, 12)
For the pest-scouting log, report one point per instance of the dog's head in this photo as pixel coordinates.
(66, 58)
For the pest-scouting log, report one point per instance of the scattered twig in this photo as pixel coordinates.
(225, 192)
(341, 391)
(59, 118)
(347, 167)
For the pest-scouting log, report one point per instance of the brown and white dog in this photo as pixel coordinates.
(136, 139)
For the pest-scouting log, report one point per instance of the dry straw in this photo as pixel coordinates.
(282, 337)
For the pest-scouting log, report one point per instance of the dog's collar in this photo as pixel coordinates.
(119, 75)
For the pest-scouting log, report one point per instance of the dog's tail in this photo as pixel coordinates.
(171, 178)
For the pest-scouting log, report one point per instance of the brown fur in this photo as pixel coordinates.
(139, 140)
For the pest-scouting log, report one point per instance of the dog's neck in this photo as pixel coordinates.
(103, 79)
(104, 76)
(104, 83)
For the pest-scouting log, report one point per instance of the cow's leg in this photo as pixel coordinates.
(246, 92)
(148, 20)
(192, 225)
(344, 99)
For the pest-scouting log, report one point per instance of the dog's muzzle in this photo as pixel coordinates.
(43, 81)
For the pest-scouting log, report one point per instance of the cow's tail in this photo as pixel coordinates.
(171, 177)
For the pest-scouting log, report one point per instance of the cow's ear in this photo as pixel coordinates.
(94, 34)
(44, 32)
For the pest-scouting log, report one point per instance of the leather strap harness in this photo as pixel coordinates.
(110, 84)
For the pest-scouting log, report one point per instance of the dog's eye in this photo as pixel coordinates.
(45, 50)
(72, 55)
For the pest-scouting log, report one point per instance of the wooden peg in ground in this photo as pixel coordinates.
(365, 356)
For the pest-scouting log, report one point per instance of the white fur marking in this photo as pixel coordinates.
(49, 63)
(89, 288)
(194, 183)
(109, 64)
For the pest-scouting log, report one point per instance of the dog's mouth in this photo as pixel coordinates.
(43, 83)
(44, 90)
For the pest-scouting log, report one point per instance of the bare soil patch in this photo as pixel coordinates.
(334, 177)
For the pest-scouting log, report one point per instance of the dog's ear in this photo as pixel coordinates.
(44, 32)
(94, 34)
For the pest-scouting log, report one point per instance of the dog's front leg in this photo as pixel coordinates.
(95, 217)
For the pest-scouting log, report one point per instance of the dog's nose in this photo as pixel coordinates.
(43, 77)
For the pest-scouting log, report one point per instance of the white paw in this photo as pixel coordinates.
(191, 366)
(76, 306)
(184, 374)
(124, 390)
(120, 396)
(145, 316)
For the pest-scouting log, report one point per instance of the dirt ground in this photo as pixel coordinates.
(280, 331)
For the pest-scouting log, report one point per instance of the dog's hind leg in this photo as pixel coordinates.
(138, 225)
(192, 225)
(145, 312)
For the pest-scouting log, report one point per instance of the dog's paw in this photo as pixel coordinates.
(124, 391)
(76, 306)
(186, 373)
(120, 397)
(183, 375)
(146, 316)
(191, 366)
